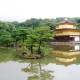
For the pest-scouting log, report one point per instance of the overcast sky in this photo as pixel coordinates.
(20, 10)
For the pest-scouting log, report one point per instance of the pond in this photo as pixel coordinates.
(62, 64)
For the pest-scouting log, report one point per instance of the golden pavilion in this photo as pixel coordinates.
(66, 31)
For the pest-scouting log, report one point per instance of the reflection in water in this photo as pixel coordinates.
(36, 72)
(47, 68)
(66, 53)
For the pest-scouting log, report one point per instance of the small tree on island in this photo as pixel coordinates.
(44, 36)
(30, 42)
(37, 38)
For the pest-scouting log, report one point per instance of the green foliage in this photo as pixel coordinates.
(15, 35)
(44, 35)
(5, 39)
(38, 37)
(31, 39)
(23, 34)
(46, 50)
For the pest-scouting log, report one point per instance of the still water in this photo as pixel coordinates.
(62, 64)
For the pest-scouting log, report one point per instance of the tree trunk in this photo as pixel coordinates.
(17, 43)
(39, 49)
(7, 45)
(31, 49)
(23, 39)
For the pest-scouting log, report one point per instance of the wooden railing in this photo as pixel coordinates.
(64, 43)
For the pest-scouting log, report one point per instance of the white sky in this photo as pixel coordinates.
(20, 10)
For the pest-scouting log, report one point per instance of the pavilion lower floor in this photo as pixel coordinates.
(67, 38)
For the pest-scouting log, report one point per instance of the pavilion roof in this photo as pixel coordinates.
(66, 21)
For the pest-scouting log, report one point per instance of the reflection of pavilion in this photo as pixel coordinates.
(66, 53)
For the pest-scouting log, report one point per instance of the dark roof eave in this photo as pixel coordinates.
(66, 29)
